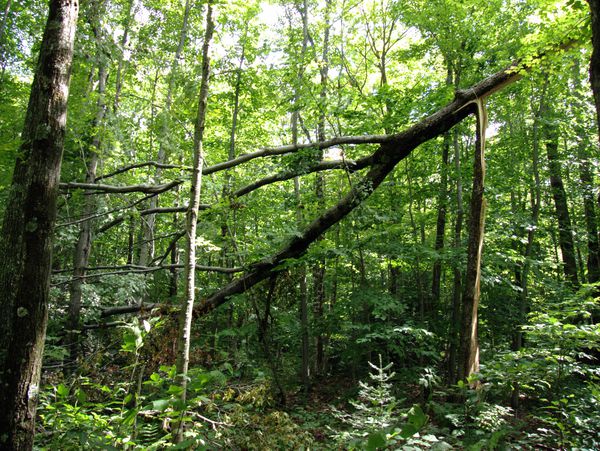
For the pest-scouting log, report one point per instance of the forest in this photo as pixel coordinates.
(299, 224)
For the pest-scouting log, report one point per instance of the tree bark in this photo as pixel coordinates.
(303, 289)
(184, 340)
(26, 237)
(121, 64)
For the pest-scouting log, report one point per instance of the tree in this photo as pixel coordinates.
(595, 61)
(26, 237)
(187, 308)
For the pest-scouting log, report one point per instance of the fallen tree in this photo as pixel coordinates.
(392, 149)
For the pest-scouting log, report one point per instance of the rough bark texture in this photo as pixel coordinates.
(586, 177)
(26, 239)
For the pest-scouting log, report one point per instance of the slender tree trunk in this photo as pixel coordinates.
(468, 357)
(586, 177)
(420, 309)
(319, 267)
(183, 351)
(83, 248)
(440, 229)
(536, 197)
(147, 245)
(303, 295)
(455, 314)
(595, 61)
(121, 64)
(565, 231)
(26, 237)
(2, 31)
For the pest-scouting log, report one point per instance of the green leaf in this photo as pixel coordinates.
(161, 404)
(62, 391)
(408, 430)
(376, 440)
(417, 417)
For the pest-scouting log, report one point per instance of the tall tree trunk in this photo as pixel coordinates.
(83, 248)
(185, 333)
(586, 177)
(565, 231)
(26, 237)
(595, 61)
(2, 31)
(121, 64)
(454, 330)
(303, 295)
(468, 357)
(319, 267)
(440, 228)
(535, 200)
(147, 244)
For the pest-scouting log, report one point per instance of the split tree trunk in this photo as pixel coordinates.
(468, 356)
(26, 237)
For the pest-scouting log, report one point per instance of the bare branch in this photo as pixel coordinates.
(148, 189)
(123, 309)
(143, 269)
(142, 165)
(281, 150)
(321, 166)
(118, 220)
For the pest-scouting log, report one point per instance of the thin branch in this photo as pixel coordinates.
(281, 150)
(106, 213)
(142, 165)
(148, 189)
(118, 220)
(138, 268)
(287, 175)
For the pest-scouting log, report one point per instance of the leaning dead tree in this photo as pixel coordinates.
(392, 149)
